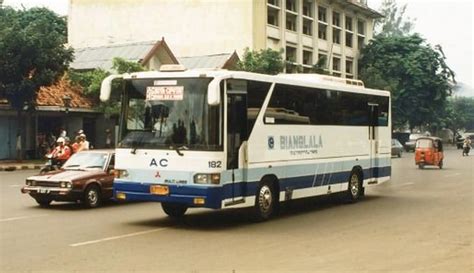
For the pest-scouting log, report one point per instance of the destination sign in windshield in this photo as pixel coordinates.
(164, 93)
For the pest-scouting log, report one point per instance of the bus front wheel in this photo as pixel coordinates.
(265, 201)
(174, 210)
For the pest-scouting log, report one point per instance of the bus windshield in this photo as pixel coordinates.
(170, 114)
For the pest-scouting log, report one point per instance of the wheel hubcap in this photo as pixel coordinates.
(354, 185)
(265, 198)
(92, 196)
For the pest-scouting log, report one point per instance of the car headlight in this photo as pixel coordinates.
(30, 182)
(207, 178)
(65, 184)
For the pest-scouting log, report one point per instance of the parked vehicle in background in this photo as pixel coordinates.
(397, 148)
(410, 144)
(401, 137)
(429, 151)
(86, 177)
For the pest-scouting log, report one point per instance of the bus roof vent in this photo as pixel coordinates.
(344, 81)
(172, 68)
(323, 79)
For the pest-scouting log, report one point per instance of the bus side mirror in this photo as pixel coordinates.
(106, 87)
(213, 92)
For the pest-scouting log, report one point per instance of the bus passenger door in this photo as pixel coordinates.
(373, 139)
(236, 135)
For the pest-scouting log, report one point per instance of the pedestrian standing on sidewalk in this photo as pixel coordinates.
(18, 147)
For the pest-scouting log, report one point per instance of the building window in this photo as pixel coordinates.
(291, 22)
(291, 54)
(274, 2)
(273, 17)
(349, 67)
(322, 14)
(307, 57)
(308, 8)
(360, 42)
(336, 19)
(308, 27)
(360, 27)
(348, 39)
(349, 23)
(336, 36)
(291, 5)
(336, 66)
(323, 60)
(322, 31)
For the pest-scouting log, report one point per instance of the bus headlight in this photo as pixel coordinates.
(207, 178)
(120, 173)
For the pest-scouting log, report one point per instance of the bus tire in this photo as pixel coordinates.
(266, 201)
(174, 210)
(355, 190)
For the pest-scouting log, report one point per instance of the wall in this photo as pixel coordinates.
(187, 25)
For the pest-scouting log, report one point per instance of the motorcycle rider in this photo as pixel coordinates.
(466, 146)
(62, 152)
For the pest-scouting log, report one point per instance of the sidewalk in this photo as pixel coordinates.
(12, 165)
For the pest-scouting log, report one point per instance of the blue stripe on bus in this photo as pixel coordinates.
(214, 195)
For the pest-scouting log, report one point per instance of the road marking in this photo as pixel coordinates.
(405, 184)
(117, 237)
(22, 217)
(453, 174)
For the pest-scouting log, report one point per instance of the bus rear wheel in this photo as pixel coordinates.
(355, 190)
(174, 210)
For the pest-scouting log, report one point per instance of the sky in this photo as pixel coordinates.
(448, 23)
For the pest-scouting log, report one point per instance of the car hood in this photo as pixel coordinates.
(67, 175)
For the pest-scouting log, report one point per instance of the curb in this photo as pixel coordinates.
(19, 167)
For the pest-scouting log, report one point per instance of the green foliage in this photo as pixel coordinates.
(414, 72)
(265, 61)
(32, 53)
(321, 67)
(92, 80)
(393, 23)
(460, 114)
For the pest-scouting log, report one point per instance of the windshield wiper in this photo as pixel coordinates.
(179, 149)
(95, 166)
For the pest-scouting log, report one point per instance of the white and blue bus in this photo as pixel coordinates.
(227, 139)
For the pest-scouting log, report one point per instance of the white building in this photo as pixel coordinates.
(306, 29)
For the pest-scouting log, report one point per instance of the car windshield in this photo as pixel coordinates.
(86, 161)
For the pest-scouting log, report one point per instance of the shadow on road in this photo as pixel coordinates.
(77, 206)
(214, 220)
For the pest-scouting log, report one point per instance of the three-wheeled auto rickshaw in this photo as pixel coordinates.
(429, 151)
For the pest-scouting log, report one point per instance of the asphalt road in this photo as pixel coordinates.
(421, 221)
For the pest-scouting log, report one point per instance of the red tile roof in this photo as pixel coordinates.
(53, 95)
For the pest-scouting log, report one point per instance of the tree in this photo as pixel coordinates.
(415, 73)
(92, 80)
(393, 23)
(33, 54)
(460, 114)
(265, 61)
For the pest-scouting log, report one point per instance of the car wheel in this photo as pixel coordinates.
(399, 154)
(440, 164)
(92, 197)
(174, 210)
(421, 166)
(266, 201)
(43, 202)
(355, 189)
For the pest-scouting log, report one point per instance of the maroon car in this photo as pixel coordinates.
(86, 177)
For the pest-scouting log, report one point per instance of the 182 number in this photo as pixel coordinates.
(215, 164)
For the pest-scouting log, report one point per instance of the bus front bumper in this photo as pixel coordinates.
(191, 196)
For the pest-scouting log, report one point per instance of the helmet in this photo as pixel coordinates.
(60, 139)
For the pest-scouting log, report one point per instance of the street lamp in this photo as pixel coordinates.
(67, 104)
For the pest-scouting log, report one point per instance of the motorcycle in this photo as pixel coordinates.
(52, 164)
